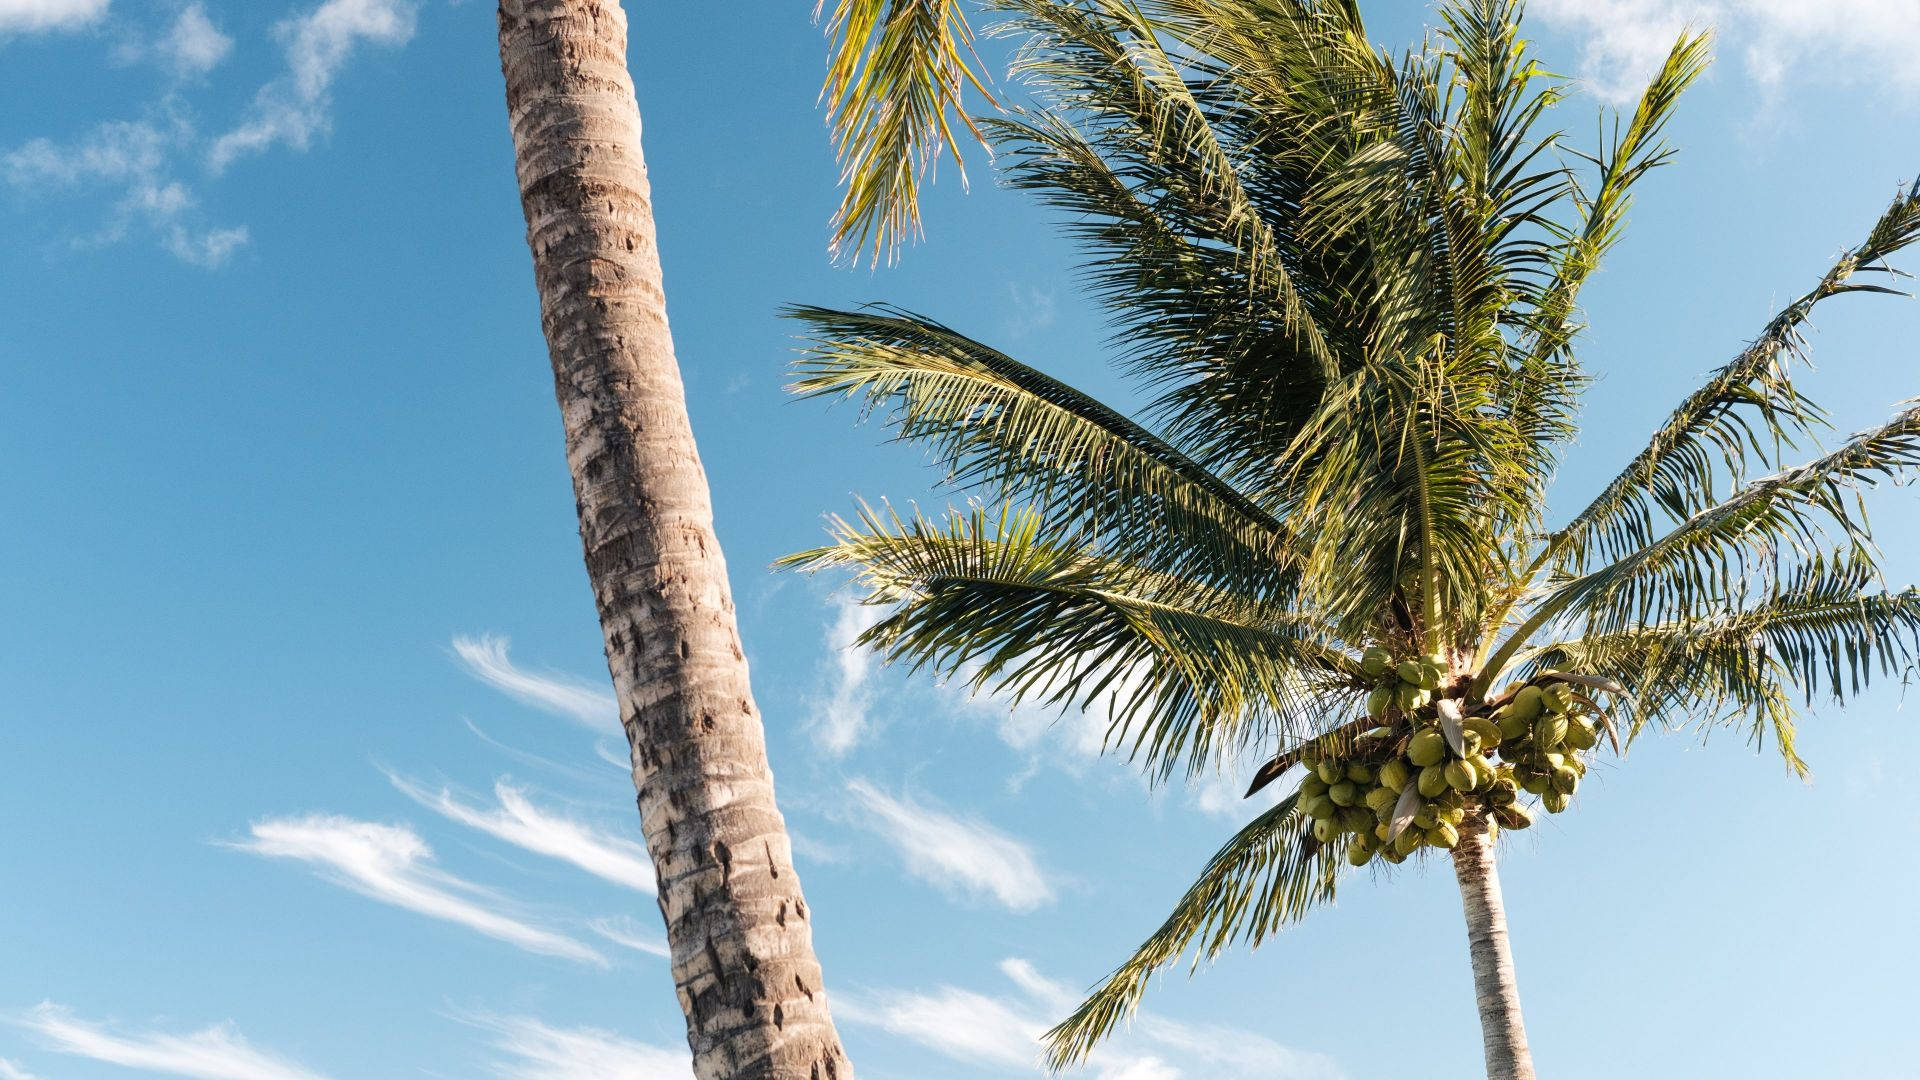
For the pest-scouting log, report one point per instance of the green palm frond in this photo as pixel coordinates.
(1188, 674)
(1267, 877)
(1822, 632)
(1762, 529)
(895, 84)
(1742, 415)
(1005, 429)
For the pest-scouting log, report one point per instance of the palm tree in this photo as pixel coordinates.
(1347, 284)
(738, 927)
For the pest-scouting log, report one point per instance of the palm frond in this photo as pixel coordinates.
(1265, 878)
(1188, 674)
(895, 84)
(1744, 414)
(1009, 431)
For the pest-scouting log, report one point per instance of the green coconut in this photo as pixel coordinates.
(1380, 701)
(1503, 792)
(1511, 725)
(1534, 783)
(1410, 672)
(1550, 732)
(1513, 817)
(1433, 780)
(1395, 775)
(1581, 735)
(1425, 818)
(1409, 841)
(1325, 831)
(1344, 793)
(1443, 836)
(1461, 775)
(1360, 772)
(1359, 853)
(1376, 661)
(1380, 798)
(1331, 771)
(1528, 704)
(1311, 785)
(1427, 748)
(1554, 801)
(1564, 780)
(1489, 732)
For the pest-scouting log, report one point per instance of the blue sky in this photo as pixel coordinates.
(308, 766)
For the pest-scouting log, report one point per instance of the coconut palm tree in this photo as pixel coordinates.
(738, 927)
(1346, 283)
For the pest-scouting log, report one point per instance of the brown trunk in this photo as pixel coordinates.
(1502, 1031)
(739, 930)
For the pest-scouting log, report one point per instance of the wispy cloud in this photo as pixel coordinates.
(12, 1071)
(959, 855)
(292, 109)
(1623, 41)
(1004, 1032)
(215, 1053)
(533, 1050)
(840, 716)
(486, 659)
(518, 821)
(33, 16)
(131, 156)
(193, 45)
(628, 934)
(392, 864)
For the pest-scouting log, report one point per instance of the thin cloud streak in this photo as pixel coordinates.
(393, 865)
(1005, 1032)
(486, 659)
(544, 832)
(533, 1050)
(219, 1052)
(840, 717)
(294, 108)
(10, 1070)
(958, 855)
(627, 934)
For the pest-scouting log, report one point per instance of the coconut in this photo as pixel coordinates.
(1318, 807)
(1409, 698)
(1513, 817)
(1344, 793)
(1375, 661)
(1356, 819)
(1443, 835)
(1379, 701)
(1461, 775)
(1427, 748)
(1409, 841)
(1451, 815)
(1534, 783)
(1410, 672)
(1554, 801)
(1581, 735)
(1381, 799)
(1359, 853)
(1489, 732)
(1382, 831)
(1556, 698)
(1395, 775)
(1564, 780)
(1550, 732)
(1503, 792)
(1311, 785)
(1512, 725)
(1325, 831)
(1331, 771)
(1528, 704)
(1433, 780)
(1360, 772)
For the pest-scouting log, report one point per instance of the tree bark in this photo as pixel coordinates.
(1496, 991)
(738, 928)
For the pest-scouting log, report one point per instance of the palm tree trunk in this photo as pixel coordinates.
(739, 930)
(1498, 994)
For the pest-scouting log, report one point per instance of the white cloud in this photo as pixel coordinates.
(840, 717)
(12, 1071)
(485, 658)
(193, 46)
(628, 934)
(132, 155)
(544, 832)
(293, 108)
(966, 856)
(29, 16)
(1625, 40)
(215, 1053)
(1005, 1033)
(392, 864)
(537, 1051)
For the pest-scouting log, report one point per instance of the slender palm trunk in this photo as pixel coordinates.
(1498, 994)
(739, 930)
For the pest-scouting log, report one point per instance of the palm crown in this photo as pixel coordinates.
(1348, 282)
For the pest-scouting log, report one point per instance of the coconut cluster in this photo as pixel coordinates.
(1410, 782)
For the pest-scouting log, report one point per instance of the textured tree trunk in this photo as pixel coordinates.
(1502, 1031)
(739, 930)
